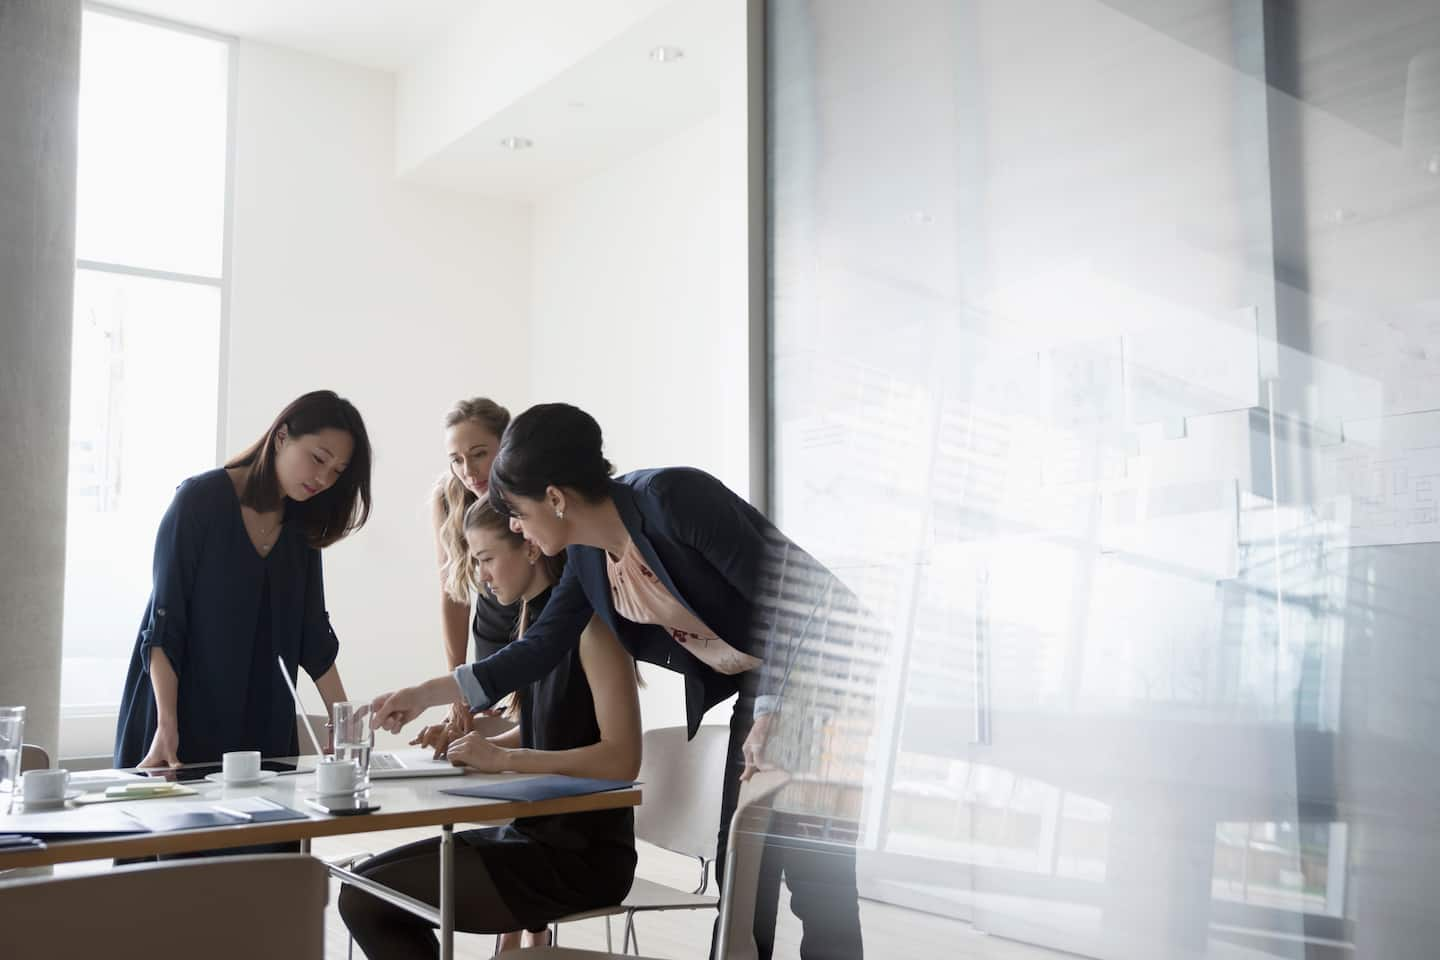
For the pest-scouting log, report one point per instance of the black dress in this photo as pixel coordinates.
(221, 613)
(557, 865)
(525, 874)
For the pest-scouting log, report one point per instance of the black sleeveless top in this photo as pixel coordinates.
(558, 713)
(492, 625)
(549, 867)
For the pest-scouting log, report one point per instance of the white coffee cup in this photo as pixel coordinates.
(44, 786)
(240, 766)
(334, 776)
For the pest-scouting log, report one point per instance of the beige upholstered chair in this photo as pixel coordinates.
(208, 906)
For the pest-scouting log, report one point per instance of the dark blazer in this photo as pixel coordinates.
(715, 553)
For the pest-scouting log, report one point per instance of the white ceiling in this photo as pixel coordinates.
(610, 104)
(612, 101)
(385, 34)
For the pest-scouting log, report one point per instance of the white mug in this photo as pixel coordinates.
(45, 786)
(334, 776)
(240, 766)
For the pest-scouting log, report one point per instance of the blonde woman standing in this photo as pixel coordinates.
(468, 613)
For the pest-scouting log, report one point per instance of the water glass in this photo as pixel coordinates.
(12, 742)
(354, 738)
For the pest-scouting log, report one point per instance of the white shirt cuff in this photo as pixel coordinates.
(470, 687)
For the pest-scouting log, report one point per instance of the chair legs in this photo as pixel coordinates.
(704, 876)
(630, 935)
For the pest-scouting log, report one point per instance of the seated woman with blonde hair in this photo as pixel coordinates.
(580, 719)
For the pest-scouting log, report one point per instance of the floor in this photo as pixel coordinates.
(890, 932)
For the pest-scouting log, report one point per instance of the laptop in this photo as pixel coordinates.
(399, 764)
(384, 764)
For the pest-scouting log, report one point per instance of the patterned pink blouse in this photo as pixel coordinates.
(640, 597)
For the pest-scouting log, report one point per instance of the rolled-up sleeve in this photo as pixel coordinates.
(475, 694)
(177, 554)
(318, 644)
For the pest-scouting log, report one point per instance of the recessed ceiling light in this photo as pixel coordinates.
(666, 54)
(517, 143)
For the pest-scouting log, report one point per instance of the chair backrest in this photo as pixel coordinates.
(33, 757)
(197, 903)
(748, 831)
(682, 781)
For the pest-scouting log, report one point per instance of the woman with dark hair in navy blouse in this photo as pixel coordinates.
(238, 582)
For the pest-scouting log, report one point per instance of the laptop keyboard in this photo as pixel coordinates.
(385, 761)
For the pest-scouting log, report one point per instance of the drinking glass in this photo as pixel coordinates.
(354, 738)
(12, 742)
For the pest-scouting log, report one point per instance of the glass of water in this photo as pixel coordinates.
(12, 742)
(354, 738)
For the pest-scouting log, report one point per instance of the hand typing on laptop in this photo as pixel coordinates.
(438, 737)
(480, 753)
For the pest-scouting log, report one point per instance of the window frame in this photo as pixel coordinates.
(87, 730)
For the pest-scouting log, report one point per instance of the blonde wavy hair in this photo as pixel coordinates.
(455, 498)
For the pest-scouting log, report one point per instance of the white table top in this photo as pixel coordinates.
(404, 803)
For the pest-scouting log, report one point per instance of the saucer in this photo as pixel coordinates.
(34, 805)
(352, 792)
(265, 777)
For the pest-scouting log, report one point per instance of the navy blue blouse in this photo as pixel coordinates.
(221, 612)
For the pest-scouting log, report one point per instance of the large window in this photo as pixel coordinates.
(149, 288)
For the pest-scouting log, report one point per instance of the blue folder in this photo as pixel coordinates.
(540, 788)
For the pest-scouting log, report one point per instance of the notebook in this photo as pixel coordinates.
(82, 822)
(260, 810)
(166, 817)
(540, 788)
(147, 818)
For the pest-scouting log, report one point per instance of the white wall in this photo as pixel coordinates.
(396, 296)
(639, 315)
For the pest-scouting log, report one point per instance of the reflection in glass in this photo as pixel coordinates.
(1106, 370)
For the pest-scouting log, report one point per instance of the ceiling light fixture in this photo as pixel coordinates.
(666, 54)
(517, 143)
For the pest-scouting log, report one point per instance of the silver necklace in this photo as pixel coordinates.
(265, 532)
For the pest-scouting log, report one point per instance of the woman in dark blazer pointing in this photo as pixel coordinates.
(689, 577)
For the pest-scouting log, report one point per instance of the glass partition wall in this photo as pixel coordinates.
(1105, 369)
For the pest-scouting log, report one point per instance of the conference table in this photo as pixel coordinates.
(404, 804)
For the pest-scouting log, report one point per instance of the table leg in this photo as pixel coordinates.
(447, 892)
(305, 845)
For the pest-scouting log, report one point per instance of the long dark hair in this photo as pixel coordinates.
(335, 513)
(549, 445)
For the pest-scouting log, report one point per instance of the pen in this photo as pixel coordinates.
(238, 814)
